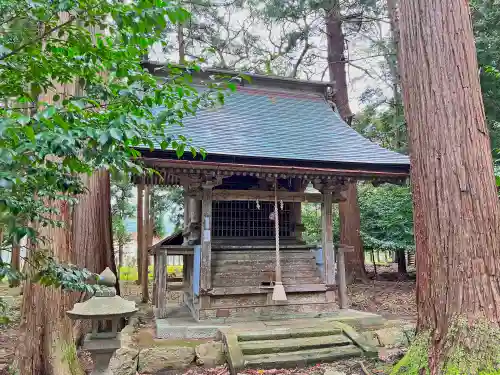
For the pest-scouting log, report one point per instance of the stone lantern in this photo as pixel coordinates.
(104, 306)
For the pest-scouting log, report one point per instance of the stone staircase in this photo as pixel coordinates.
(290, 347)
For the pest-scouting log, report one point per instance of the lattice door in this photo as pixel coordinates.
(244, 219)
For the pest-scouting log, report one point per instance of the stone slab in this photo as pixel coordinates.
(169, 330)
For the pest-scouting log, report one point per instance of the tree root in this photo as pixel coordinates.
(472, 350)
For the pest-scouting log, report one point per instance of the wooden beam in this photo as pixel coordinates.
(144, 249)
(140, 229)
(206, 246)
(251, 195)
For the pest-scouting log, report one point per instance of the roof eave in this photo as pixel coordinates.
(161, 70)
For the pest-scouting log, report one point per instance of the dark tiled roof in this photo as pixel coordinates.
(291, 124)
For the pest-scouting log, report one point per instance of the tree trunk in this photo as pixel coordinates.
(349, 210)
(401, 260)
(456, 207)
(47, 346)
(15, 263)
(120, 257)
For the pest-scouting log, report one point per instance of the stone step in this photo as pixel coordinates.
(300, 358)
(288, 333)
(293, 344)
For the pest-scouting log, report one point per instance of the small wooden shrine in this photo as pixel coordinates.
(272, 138)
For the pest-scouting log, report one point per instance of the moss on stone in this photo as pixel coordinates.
(472, 350)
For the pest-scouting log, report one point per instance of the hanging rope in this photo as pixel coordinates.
(278, 291)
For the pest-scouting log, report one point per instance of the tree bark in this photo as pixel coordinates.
(456, 207)
(401, 261)
(348, 210)
(47, 344)
(120, 257)
(349, 216)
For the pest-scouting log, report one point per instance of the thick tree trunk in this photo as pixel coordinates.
(456, 207)
(349, 216)
(348, 210)
(47, 345)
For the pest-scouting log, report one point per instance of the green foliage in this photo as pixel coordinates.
(384, 125)
(311, 219)
(170, 201)
(386, 217)
(74, 101)
(121, 208)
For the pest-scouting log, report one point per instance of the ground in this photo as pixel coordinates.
(392, 299)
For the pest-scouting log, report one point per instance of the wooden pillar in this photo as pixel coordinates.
(161, 288)
(150, 217)
(140, 229)
(206, 246)
(327, 240)
(144, 250)
(343, 300)
(194, 220)
(185, 231)
(155, 280)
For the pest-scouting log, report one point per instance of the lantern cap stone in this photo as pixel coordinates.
(104, 304)
(107, 278)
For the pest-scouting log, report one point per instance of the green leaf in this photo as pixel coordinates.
(179, 151)
(164, 144)
(23, 120)
(28, 130)
(116, 134)
(104, 138)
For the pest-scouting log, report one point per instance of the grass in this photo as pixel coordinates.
(128, 273)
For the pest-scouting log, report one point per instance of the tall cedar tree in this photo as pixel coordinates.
(456, 207)
(349, 209)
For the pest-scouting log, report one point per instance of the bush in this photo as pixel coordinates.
(130, 273)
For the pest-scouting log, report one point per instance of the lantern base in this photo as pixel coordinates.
(101, 351)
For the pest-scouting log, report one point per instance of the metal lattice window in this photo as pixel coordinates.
(244, 219)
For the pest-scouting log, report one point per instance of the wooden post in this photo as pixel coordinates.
(155, 280)
(150, 218)
(343, 301)
(206, 246)
(186, 215)
(140, 230)
(327, 239)
(144, 250)
(161, 310)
